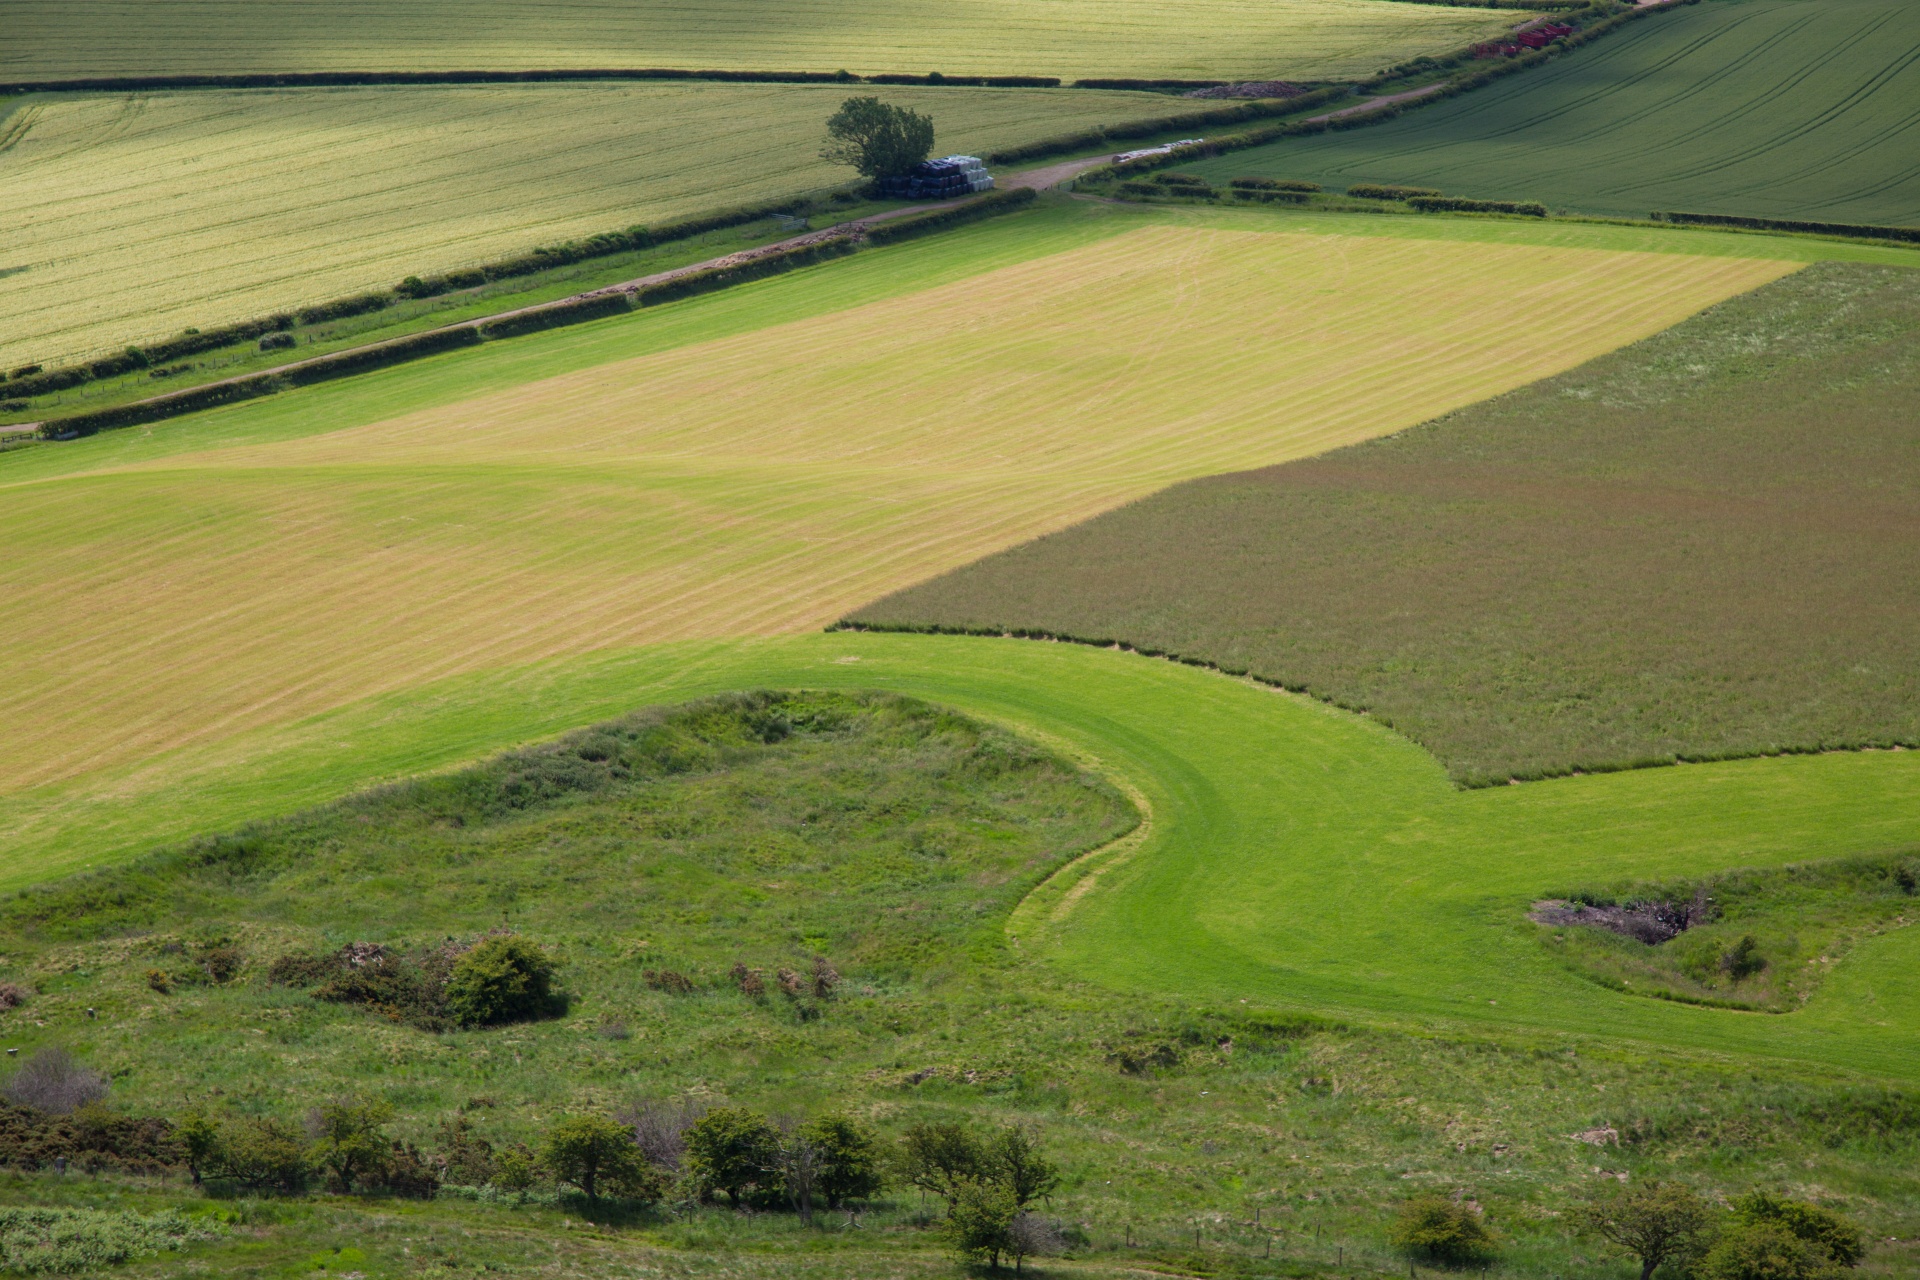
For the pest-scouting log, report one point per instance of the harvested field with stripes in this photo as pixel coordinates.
(1766, 108)
(1701, 546)
(1191, 39)
(746, 485)
(136, 216)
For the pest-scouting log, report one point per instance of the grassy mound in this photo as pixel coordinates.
(1776, 109)
(1691, 548)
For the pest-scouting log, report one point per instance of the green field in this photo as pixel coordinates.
(142, 215)
(1298, 860)
(1194, 39)
(586, 488)
(1769, 108)
(1619, 565)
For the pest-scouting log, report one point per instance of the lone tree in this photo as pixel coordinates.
(877, 139)
(1655, 1222)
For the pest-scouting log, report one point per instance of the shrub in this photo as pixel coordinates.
(849, 1159)
(350, 1143)
(406, 1173)
(596, 1154)
(93, 1136)
(698, 282)
(465, 1159)
(1273, 184)
(671, 981)
(990, 205)
(565, 313)
(1823, 1228)
(733, 1150)
(132, 415)
(25, 371)
(397, 351)
(1376, 191)
(941, 1158)
(660, 1129)
(501, 980)
(277, 342)
(342, 308)
(1849, 229)
(261, 1154)
(1271, 197)
(1743, 959)
(1765, 1251)
(1442, 1232)
(1654, 1222)
(12, 996)
(980, 1220)
(52, 1082)
(1458, 204)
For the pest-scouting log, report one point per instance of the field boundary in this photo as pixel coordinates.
(1577, 769)
(662, 287)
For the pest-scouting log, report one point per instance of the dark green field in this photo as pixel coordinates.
(1701, 546)
(1769, 108)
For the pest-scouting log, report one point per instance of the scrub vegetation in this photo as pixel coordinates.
(1770, 108)
(795, 905)
(1689, 549)
(1193, 39)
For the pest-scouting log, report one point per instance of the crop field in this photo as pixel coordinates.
(1678, 549)
(1193, 39)
(400, 535)
(1767, 108)
(137, 216)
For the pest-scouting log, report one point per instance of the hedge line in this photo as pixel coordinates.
(340, 308)
(1123, 83)
(1458, 204)
(987, 206)
(565, 313)
(1381, 191)
(994, 82)
(1857, 230)
(322, 79)
(771, 264)
(1126, 131)
(260, 384)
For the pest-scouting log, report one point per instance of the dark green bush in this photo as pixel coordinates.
(277, 342)
(1442, 1232)
(342, 308)
(990, 205)
(734, 1150)
(565, 313)
(1459, 204)
(502, 980)
(1378, 191)
(1273, 184)
(399, 351)
(25, 370)
(1849, 229)
(1826, 1230)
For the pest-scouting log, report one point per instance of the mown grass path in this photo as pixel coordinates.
(1299, 857)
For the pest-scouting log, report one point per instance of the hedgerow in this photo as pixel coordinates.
(611, 304)
(1088, 139)
(987, 206)
(1460, 204)
(1850, 229)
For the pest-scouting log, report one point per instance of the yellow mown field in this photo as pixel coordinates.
(131, 217)
(755, 484)
(1191, 39)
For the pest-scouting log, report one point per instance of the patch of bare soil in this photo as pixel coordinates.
(1650, 922)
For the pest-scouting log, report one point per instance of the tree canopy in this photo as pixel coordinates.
(878, 139)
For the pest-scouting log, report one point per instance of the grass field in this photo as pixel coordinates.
(1322, 851)
(1194, 39)
(421, 521)
(1771, 108)
(1679, 549)
(141, 215)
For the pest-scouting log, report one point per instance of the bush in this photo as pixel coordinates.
(1765, 1251)
(12, 996)
(660, 1129)
(1655, 1222)
(398, 351)
(1458, 204)
(553, 317)
(941, 1158)
(980, 1221)
(596, 1154)
(181, 402)
(1849, 229)
(1442, 1232)
(715, 278)
(92, 1136)
(1838, 1238)
(501, 980)
(261, 1154)
(25, 371)
(990, 205)
(1376, 191)
(1273, 184)
(849, 1159)
(277, 342)
(733, 1150)
(53, 1083)
(350, 1143)
(342, 308)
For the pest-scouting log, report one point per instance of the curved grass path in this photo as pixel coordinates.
(1298, 857)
